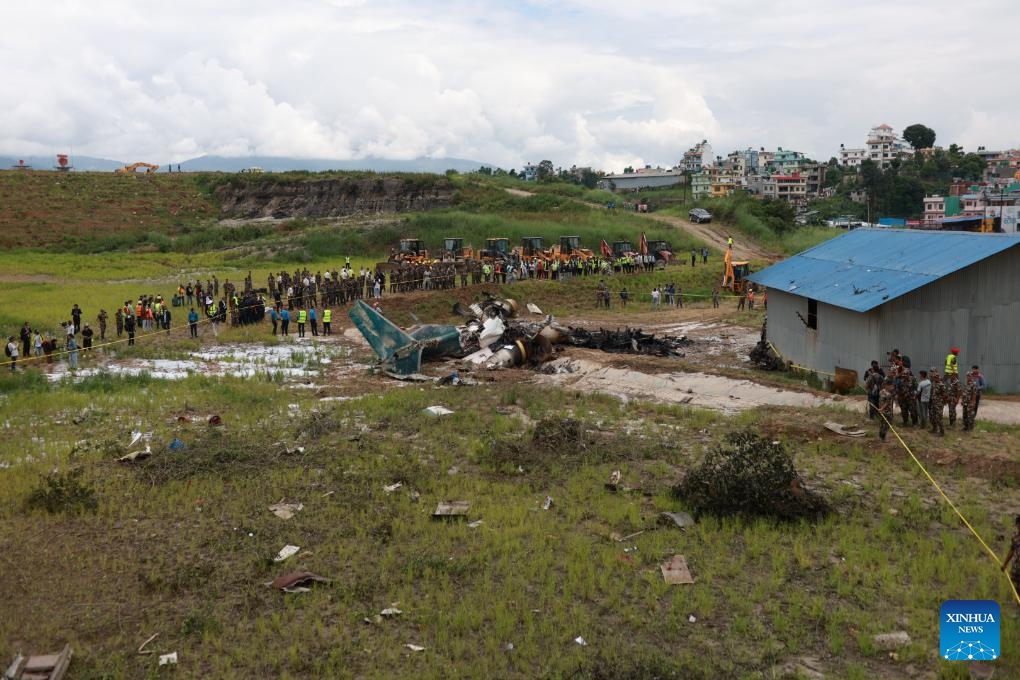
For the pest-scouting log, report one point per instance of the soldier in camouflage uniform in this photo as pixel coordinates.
(938, 400)
(969, 403)
(906, 389)
(886, 397)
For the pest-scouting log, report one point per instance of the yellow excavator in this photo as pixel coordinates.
(128, 169)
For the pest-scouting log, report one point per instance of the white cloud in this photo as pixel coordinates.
(586, 82)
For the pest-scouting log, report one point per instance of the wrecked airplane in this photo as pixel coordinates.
(493, 337)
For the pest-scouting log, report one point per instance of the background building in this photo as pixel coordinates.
(856, 297)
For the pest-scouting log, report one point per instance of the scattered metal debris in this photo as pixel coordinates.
(393, 487)
(845, 430)
(415, 648)
(168, 659)
(135, 455)
(451, 509)
(547, 503)
(581, 641)
(629, 341)
(675, 571)
(296, 582)
(286, 552)
(614, 481)
(390, 612)
(285, 510)
(474, 525)
(680, 519)
(437, 411)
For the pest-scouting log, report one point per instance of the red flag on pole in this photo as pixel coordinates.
(644, 244)
(606, 250)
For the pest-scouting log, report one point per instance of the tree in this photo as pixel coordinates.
(919, 136)
(545, 170)
(970, 167)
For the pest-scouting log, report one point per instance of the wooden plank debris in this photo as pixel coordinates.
(675, 571)
(40, 667)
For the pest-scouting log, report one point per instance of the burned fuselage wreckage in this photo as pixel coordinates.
(492, 336)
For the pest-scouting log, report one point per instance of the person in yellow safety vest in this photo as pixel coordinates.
(952, 380)
(327, 318)
(729, 241)
(555, 269)
(302, 317)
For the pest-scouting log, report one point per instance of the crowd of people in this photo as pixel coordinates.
(923, 402)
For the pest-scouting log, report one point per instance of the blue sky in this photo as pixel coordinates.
(599, 83)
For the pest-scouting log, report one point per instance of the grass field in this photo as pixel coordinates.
(104, 554)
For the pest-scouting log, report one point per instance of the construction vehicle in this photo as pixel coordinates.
(532, 246)
(128, 169)
(661, 249)
(495, 249)
(741, 270)
(570, 247)
(410, 250)
(623, 249)
(453, 250)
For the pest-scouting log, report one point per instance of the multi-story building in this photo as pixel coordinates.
(938, 208)
(743, 162)
(789, 188)
(851, 158)
(814, 175)
(786, 161)
(701, 185)
(699, 157)
(883, 146)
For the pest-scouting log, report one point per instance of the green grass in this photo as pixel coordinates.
(170, 531)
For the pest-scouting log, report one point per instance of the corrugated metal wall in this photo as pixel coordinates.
(977, 308)
(843, 338)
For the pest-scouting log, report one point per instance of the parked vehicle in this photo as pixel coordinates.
(699, 215)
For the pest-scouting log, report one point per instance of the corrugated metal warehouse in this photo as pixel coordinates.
(858, 296)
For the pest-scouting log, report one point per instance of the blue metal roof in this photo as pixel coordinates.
(865, 268)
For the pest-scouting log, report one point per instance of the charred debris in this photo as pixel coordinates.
(494, 336)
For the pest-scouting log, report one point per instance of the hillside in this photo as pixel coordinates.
(45, 209)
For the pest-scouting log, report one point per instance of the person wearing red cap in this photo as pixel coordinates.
(952, 380)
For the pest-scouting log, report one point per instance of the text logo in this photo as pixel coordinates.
(969, 630)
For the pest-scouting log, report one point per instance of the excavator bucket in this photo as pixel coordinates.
(401, 349)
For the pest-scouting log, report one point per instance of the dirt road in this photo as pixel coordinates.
(715, 235)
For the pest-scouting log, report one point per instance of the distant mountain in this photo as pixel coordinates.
(81, 163)
(267, 163)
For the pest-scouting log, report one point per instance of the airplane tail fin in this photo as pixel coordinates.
(390, 343)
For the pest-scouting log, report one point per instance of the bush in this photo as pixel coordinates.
(63, 492)
(749, 475)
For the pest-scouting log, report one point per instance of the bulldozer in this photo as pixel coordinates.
(495, 249)
(570, 246)
(453, 250)
(130, 169)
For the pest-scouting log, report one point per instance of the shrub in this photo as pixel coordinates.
(749, 475)
(63, 492)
